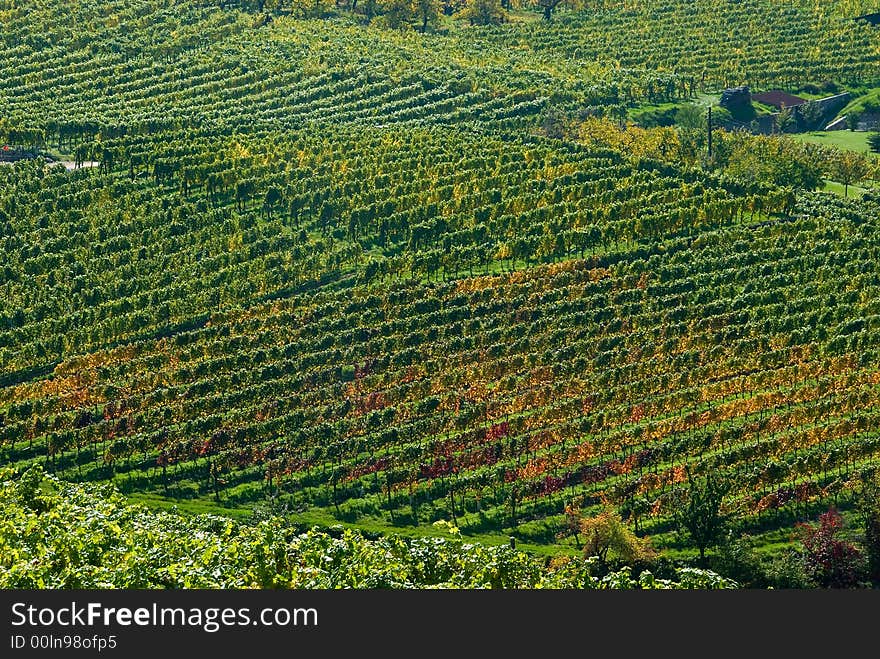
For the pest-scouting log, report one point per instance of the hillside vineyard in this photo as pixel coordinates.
(347, 267)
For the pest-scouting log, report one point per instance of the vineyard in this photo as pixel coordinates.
(144, 66)
(344, 267)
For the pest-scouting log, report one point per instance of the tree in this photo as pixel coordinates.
(848, 168)
(852, 120)
(772, 159)
(273, 197)
(811, 115)
(606, 532)
(690, 117)
(572, 524)
(548, 6)
(398, 13)
(874, 142)
(832, 562)
(485, 12)
(785, 119)
(699, 516)
(427, 12)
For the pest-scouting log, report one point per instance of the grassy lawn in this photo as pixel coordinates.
(763, 108)
(370, 526)
(706, 99)
(858, 103)
(854, 191)
(842, 139)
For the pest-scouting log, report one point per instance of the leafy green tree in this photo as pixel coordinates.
(398, 13)
(690, 117)
(772, 158)
(811, 115)
(699, 515)
(785, 120)
(849, 168)
(548, 6)
(427, 13)
(484, 12)
(852, 120)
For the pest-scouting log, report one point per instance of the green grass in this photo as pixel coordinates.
(707, 99)
(854, 192)
(858, 103)
(763, 108)
(815, 96)
(842, 139)
(370, 526)
(655, 114)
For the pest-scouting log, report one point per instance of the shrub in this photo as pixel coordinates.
(830, 561)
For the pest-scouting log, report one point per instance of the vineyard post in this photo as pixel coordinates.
(335, 499)
(412, 501)
(388, 483)
(709, 134)
(513, 518)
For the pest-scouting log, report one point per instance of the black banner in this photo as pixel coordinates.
(458, 623)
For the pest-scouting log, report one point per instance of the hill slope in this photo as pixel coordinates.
(353, 268)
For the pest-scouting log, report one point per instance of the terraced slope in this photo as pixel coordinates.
(174, 233)
(342, 265)
(73, 68)
(497, 398)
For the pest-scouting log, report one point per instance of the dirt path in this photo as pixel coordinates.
(69, 165)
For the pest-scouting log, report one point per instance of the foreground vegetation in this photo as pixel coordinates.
(57, 535)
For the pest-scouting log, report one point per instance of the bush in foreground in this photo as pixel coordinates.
(64, 535)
